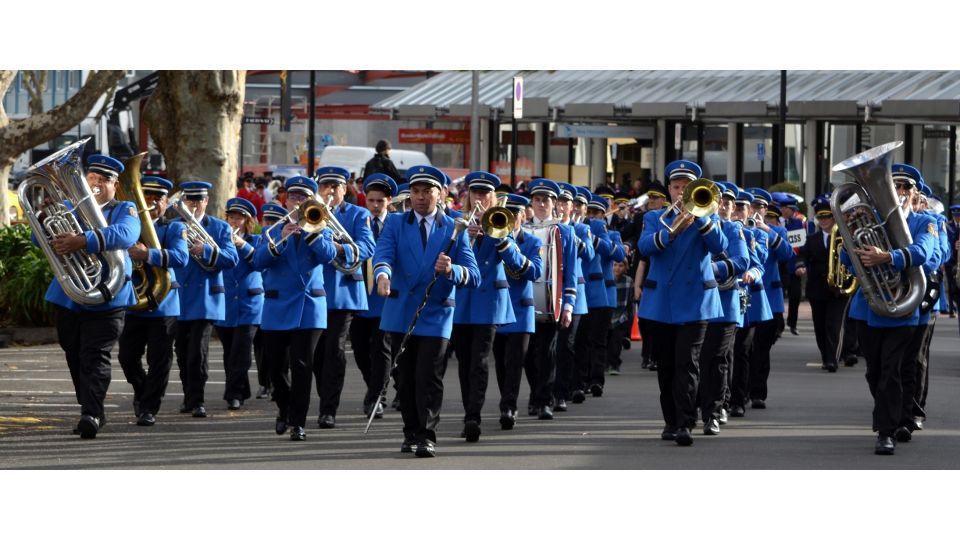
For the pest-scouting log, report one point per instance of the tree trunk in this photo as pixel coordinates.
(36, 83)
(194, 119)
(21, 135)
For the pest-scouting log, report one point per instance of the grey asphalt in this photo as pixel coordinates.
(814, 420)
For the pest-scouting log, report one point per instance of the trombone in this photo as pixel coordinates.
(309, 217)
(496, 222)
(700, 198)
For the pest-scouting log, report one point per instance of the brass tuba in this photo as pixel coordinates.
(151, 284)
(196, 234)
(838, 277)
(867, 212)
(57, 200)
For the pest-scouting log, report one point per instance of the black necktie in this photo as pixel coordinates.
(423, 232)
(376, 228)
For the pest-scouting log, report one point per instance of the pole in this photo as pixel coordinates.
(312, 123)
(783, 128)
(513, 152)
(475, 121)
(242, 129)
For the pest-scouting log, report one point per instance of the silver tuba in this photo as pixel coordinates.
(867, 212)
(57, 200)
(196, 234)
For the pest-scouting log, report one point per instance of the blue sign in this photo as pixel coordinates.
(760, 152)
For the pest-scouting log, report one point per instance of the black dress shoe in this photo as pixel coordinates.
(578, 396)
(831, 368)
(185, 409)
(426, 449)
(561, 406)
(379, 412)
(280, 426)
(711, 427)
(396, 403)
(297, 434)
(652, 366)
(758, 404)
(263, 392)
(737, 411)
(146, 419)
(88, 426)
(471, 431)
(199, 412)
(684, 438)
(507, 419)
(724, 416)
(793, 330)
(546, 413)
(233, 405)
(850, 361)
(596, 390)
(917, 424)
(532, 410)
(644, 363)
(885, 446)
(669, 433)
(327, 421)
(902, 434)
(408, 445)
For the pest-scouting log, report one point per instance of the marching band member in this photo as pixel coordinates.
(371, 346)
(793, 220)
(244, 304)
(953, 239)
(512, 340)
(271, 214)
(656, 200)
(884, 340)
(346, 293)
(580, 343)
(759, 310)
(680, 295)
(542, 366)
(154, 329)
(201, 297)
(409, 256)
(718, 340)
(579, 249)
(481, 310)
(779, 251)
(87, 333)
(294, 306)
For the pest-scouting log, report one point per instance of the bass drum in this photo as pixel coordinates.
(548, 290)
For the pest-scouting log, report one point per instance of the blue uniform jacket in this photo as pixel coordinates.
(201, 292)
(585, 252)
(348, 291)
(244, 288)
(733, 262)
(121, 232)
(374, 300)
(490, 302)
(680, 285)
(945, 253)
(293, 292)
(617, 255)
(922, 228)
(174, 254)
(401, 256)
(779, 251)
(594, 270)
(521, 285)
(759, 309)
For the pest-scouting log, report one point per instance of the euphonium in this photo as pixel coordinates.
(838, 277)
(57, 200)
(867, 212)
(196, 234)
(700, 198)
(153, 285)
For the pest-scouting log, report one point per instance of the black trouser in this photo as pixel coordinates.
(827, 320)
(592, 362)
(263, 368)
(420, 379)
(740, 371)
(371, 350)
(793, 297)
(644, 326)
(330, 360)
(615, 343)
(884, 349)
(155, 334)
(764, 338)
(473, 343)
(87, 337)
(914, 373)
(237, 356)
(509, 352)
(676, 349)
(565, 349)
(541, 363)
(290, 355)
(192, 345)
(714, 365)
(923, 377)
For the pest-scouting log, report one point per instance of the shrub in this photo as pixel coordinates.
(25, 275)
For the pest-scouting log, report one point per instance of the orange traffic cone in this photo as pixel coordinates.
(635, 331)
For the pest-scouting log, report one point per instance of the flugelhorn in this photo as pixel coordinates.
(57, 200)
(196, 234)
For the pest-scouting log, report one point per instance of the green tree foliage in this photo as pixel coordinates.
(25, 275)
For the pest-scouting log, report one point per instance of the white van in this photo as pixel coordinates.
(353, 158)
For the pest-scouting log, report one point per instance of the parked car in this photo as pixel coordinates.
(353, 158)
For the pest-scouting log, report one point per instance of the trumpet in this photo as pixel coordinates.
(700, 198)
(753, 220)
(196, 234)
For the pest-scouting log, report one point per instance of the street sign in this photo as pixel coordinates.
(257, 120)
(518, 97)
(761, 152)
(677, 130)
(433, 136)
